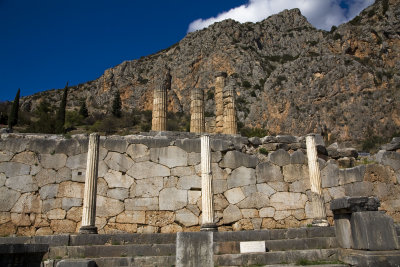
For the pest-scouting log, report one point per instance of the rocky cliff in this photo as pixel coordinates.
(289, 76)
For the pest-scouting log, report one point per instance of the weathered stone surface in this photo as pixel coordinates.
(132, 217)
(352, 175)
(69, 202)
(359, 189)
(172, 199)
(188, 182)
(330, 175)
(147, 169)
(2, 179)
(249, 213)
(170, 181)
(138, 152)
(288, 200)
(170, 156)
(219, 185)
(267, 172)
(118, 193)
(217, 172)
(5, 217)
(70, 189)
(391, 159)
(14, 169)
(141, 204)
(159, 218)
(295, 172)
(56, 214)
(279, 186)
(27, 203)
(189, 145)
(48, 191)
(281, 214)
(267, 212)
(49, 204)
(266, 189)
(299, 186)
(23, 183)
(118, 162)
(241, 176)
(379, 173)
(193, 158)
(103, 169)
(77, 161)
(255, 141)
(186, 218)
(21, 219)
(219, 145)
(115, 144)
(193, 196)
(107, 207)
(102, 187)
(6, 156)
(235, 159)
(45, 176)
(74, 214)
(279, 157)
(44, 231)
(63, 174)
(171, 228)
(298, 157)
(149, 187)
(63, 226)
(220, 202)
(117, 179)
(26, 157)
(53, 161)
(286, 139)
(249, 189)
(182, 171)
(231, 214)
(257, 200)
(234, 195)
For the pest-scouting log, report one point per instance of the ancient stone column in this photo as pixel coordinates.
(220, 78)
(206, 186)
(316, 184)
(230, 125)
(89, 199)
(159, 120)
(197, 122)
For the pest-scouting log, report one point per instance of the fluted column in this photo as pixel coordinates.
(208, 223)
(230, 125)
(220, 78)
(316, 184)
(159, 120)
(89, 199)
(197, 122)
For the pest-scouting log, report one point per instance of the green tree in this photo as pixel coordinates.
(45, 122)
(116, 106)
(13, 117)
(60, 116)
(83, 111)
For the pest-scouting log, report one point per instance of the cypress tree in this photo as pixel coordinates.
(116, 106)
(83, 110)
(13, 116)
(60, 117)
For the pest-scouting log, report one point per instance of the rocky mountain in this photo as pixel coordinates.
(289, 76)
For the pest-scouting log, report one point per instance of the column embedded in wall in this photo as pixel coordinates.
(230, 125)
(197, 122)
(208, 223)
(159, 120)
(316, 184)
(220, 78)
(89, 199)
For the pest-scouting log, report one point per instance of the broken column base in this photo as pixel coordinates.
(365, 258)
(88, 230)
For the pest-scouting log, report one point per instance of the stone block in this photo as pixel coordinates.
(67, 203)
(78, 175)
(74, 214)
(70, 189)
(171, 156)
(217, 172)
(391, 159)
(299, 186)
(6, 156)
(186, 218)
(257, 200)
(194, 249)
(63, 174)
(172, 199)
(159, 218)
(76, 263)
(56, 214)
(148, 169)
(45, 176)
(267, 172)
(77, 161)
(63, 226)
(234, 195)
(330, 175)
(241, 176)
(48, 191)
(108, 207)
(118, 193)
(194, 158)
(28, 203)
(219, 185)
(24, 183)
(249, 213)
(220, 145)
(182, 171)
(141, 204)
(117, 179)
(298, 157)
(132, 217)
(379, 173)
(266, 189)
(2, 179)
(235, 159)
(5, 217)
(26, 157)
(359, 189)
(21, 219)
(337, 192)
(118, 162)
(115, 144)
(364, 258)
(189, 182)
(288, 200)
(295, 172)
(286, 139)
(279, 186)
(150, 187)
(249, 189)
(351, 175)
(15, 145)
(281, 214)
(53, 161)
(14, 169)
(372, 230)
(138, 152)
(267, 212)
(231, 214)
(279, 157)
(255, 141)
(189, 145)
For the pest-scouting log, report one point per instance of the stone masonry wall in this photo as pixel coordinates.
(152, 184)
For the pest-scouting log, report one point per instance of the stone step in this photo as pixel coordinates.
(98, 251)
(233, 247)
(144, 261)
(276, 257)
(295, 265)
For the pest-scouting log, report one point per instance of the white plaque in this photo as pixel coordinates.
(252, 246)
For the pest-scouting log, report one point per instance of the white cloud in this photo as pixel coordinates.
(320, 13)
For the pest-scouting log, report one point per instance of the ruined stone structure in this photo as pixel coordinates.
(230, 125)
(89, 198)
(220, 78)
(159, 120)
(197, 122)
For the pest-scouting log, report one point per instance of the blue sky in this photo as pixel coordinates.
(45, 43)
